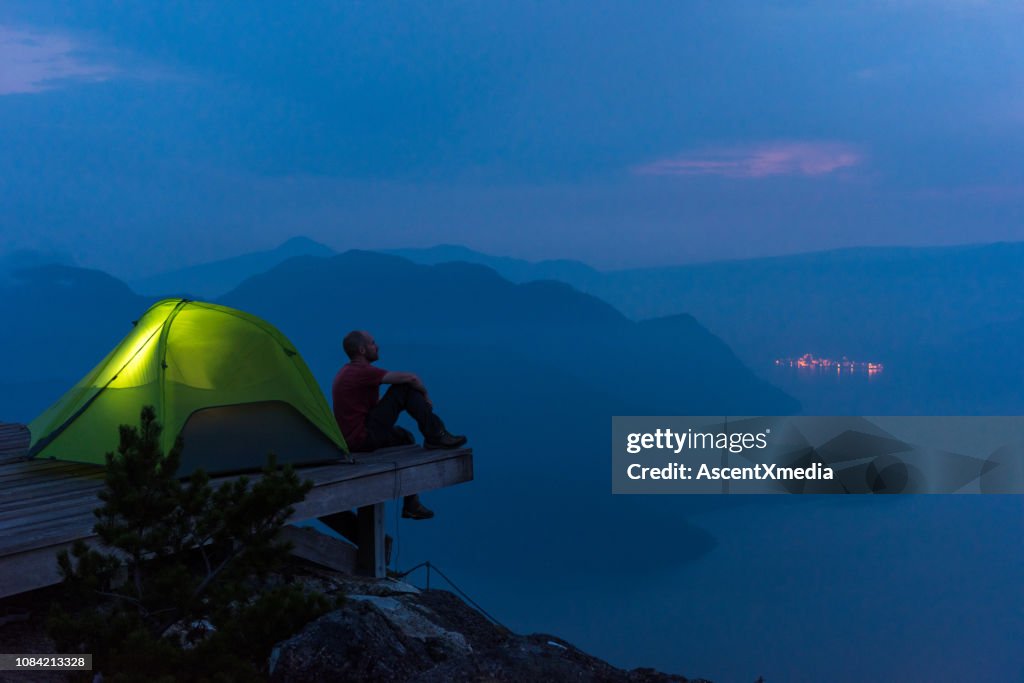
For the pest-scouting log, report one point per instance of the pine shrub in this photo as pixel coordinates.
(178, 587)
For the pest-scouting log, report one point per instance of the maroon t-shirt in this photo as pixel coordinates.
(355, 391)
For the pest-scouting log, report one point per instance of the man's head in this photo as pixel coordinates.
(360, 345)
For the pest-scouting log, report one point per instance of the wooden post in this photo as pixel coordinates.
(370, 556)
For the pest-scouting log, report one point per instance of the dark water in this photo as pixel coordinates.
(828, 392)
(909, 588)
(815, 588)
(913, 588)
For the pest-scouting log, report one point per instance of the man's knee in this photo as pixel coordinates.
(399, 391)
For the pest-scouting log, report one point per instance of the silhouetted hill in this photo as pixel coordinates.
(576, 273)
(315, 301)
(59, 322)
(20, 259)
(869, 303)
(855, 302)
(938, 318)
(412, 299)
(209, 280)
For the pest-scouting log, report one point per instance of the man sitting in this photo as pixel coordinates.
(368, 420)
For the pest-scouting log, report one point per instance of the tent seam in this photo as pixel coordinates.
(57, 431)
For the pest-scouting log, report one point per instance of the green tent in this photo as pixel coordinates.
(229, 383)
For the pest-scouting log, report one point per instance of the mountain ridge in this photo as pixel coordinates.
(213, 278)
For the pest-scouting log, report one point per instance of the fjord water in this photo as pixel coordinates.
(792, 588)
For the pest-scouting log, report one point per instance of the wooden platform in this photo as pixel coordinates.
(46, 505)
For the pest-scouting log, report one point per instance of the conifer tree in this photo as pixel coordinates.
(178, 587)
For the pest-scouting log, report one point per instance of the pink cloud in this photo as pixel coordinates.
(760, 160)
(34, 62)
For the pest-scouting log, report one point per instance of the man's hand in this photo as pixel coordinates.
(417, 384)
(409, 378)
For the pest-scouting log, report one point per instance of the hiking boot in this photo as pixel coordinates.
(445, 441)
(416, 510)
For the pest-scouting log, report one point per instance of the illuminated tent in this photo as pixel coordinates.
(228, 382)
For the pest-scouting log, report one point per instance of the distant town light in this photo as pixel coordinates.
(809, 361)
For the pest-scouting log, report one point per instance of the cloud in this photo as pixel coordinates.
(33, 61)
(760, 160)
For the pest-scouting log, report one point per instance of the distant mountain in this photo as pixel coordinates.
(943, 320)
(672, 365)
(60, 321)
(20, 259)
(69, 318)
(862, 303)
(210, 280)
(576, 273)
(868, 303)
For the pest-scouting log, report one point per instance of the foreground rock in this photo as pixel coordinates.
(390, 631)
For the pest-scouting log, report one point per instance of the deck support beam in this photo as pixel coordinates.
(370, 555)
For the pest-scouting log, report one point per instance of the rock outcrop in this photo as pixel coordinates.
(390, 631)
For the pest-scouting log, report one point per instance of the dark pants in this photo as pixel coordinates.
(381, 431)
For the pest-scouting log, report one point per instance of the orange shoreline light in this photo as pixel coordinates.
(809, 361)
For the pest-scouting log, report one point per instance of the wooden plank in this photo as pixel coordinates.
(52, 499)
(62, 525)
(14, 448)
(27, 475)
(381, 460)
(31, 472)
(29, 464)
(39, 488)
(388, 485)
(13, 454)
(24, 519)
(327, 551)
(61, 531)
(381, 465)
(14, 441)
(18, 465)
(24, 469)
(32, 569)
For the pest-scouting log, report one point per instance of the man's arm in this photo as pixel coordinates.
(407, 378)
(392, 377)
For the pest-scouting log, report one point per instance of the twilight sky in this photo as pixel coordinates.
(622, 134)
